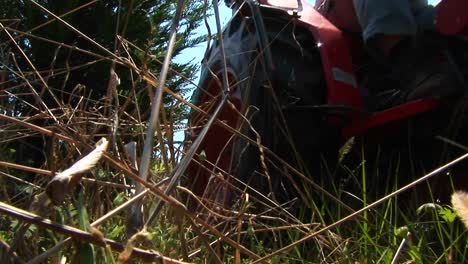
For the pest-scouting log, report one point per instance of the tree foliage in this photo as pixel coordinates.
(87, 75)
(71, 66)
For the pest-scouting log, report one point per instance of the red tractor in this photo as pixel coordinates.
(290, 83)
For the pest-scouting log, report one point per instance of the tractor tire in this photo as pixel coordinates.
(275, 113)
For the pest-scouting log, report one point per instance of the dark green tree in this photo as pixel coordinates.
(118, 26)
(71, 74)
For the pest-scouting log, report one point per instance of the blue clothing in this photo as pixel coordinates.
(387, 17)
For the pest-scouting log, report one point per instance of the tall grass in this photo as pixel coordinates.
(90, 222)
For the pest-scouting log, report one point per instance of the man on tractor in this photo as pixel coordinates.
(406, 65)
(385, 23)
(389, 31)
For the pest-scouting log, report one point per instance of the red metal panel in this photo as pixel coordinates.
(217, 144)
(335, 56)
(340, 13)
(399, 112)
(452, 16)
(289, 4)
(334, 51)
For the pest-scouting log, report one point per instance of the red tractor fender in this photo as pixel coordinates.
(340, 13)
(336, 58)
(334, 52)
(452, 17)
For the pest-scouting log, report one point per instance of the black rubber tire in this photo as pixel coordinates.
(282, 127)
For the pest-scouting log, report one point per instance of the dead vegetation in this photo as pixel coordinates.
(106, 187)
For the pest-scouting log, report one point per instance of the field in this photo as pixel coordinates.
(94, 166)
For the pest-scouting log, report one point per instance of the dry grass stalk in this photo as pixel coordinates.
(460, 205)
(118, 165)
(43, 257)
(135, 212)
(7, 254)
(360, 211)
(64, 182)
(50, 173)
(78, 140)
(125, 255)
(53, 19)
(73, 29)
(77, 233)
(25, 168)
(38, 98)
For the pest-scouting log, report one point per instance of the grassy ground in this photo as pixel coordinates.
(397, 230)
(93, 211)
